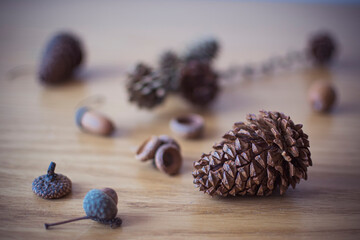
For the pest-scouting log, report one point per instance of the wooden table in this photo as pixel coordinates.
(37, 123)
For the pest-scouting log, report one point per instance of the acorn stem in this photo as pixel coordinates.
(51, 169)
(47, 225)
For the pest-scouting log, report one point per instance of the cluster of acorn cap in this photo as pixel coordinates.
(164, 151)
(99, 205)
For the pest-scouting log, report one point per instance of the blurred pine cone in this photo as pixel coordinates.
(62, 56)
(199, 83)
(255, 157)
(322, 48)
(170, 66)
(204, 50)
(145, 87)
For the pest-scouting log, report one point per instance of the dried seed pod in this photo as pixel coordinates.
(188, 126)
(93, 122)
(322, 48)
(255, 157)
(322, 96)
(62, 56)
(100, 206)
(52, 185)
(168, 159)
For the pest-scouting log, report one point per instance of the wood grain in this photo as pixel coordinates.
(37, 123)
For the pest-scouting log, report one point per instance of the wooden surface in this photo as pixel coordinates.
(37, 123)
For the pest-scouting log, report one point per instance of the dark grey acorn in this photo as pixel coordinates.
(100, 206)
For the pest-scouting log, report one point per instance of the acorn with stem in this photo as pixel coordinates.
(100, 206)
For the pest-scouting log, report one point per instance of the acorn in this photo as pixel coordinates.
(62, 56)
(100, 206)
(93, 122)
(322, 96)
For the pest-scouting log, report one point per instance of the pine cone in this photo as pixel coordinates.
(145, 87)
(62, 55)
(255, 157)
(170, 64)
(204, 50)
(322, 48)
(199, 83)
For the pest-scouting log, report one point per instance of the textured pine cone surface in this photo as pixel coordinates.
(255, 157)
(170, 66)
(146, 88)
(322, 48)
(199, 83)
(203, 50)
(62, 55)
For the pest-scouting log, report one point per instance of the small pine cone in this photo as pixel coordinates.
(322, 48)
(170, 66)
(255, 157)
(199, 83)
(62, 56)
(204, 50)
(145, 87)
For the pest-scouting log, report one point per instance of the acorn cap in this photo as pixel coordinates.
(167, 139)
(147, 150)
(99, 205)
(168, 159)
(111, 193)
(188, 126)
(51, 185)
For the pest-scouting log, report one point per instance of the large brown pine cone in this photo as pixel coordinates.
(255, 157)
(199, 83)
(145, 87)
(62, 56)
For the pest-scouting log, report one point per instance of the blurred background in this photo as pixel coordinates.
(37, 122)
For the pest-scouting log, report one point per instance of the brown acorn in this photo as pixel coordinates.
(322, 96)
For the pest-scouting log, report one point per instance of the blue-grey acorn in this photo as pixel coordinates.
(97, 204)
(100, 206)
